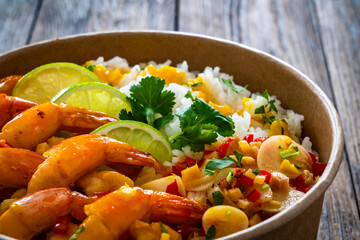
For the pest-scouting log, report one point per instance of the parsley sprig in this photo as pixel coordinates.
(200, 124)
(150, 103)
(270, 104)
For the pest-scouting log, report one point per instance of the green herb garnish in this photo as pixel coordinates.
(264, 187)
(73, 237)
(270, 104)
(90, 67)
(288, 153)
(239, 157)
(256, 172)
(150, 103)
(230, 84)
(297, 166)
(196, 84)
(227, 213)
(211, 233)
(242, 187)
(208, 172)
(163, 229)
(217, 163)
(230, 177)
(218, 198)
(200, 125)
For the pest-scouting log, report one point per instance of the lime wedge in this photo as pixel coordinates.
(43, 83)
(94, 96)
(139, 135)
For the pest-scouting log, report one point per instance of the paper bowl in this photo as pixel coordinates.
(248, 66)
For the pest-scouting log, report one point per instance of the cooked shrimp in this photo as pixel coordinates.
(110, 216)
(37, 212)
(39, 123)
(76, 156)
(10, 107)
(8, 83)
(17, 166)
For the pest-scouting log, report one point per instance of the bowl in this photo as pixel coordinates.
(248, 66)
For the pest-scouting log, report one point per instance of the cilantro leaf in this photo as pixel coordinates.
(150, 103)
(218, 198)
(270, 104)
(217, 163)
(73, 237)
(239, 157)
(200, 125)
(163, 229)
(211, 233)
(90, 67)
(230, 84)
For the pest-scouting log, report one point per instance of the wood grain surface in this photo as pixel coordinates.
(321, 38)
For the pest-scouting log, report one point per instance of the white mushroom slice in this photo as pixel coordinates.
(282, 200)
(269, 158)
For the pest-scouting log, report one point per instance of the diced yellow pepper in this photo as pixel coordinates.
(289, 169)
(204, 92)
(260, 179)
(225, 110)
(235, 194)
(195, 180)
(169, 73)
(248, 104)
(244, 204)
(245, 147)
(280, 127)
(250, 174)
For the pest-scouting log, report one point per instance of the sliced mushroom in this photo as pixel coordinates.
(282, 200)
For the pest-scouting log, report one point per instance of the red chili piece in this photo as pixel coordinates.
(260, 139)
(224, 147)
(172, 188)
(62, 225)
(313, 157)
(248, 182)
(318, 168)
(182, 165)
(299, 183)
(249, 138)
(100, 194)
(253, 195)
(266, 174)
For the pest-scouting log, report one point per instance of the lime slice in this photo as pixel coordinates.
(43, 83)
(94, 96)
(139, 135)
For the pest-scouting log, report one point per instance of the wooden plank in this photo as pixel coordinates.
(16, 19)
(279, 28)
(340, 29)
(61, 18)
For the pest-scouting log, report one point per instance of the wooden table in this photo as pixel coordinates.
(321, 38)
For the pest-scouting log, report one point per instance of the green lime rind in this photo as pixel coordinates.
(139, 135)
(94, 96)
(43, 83)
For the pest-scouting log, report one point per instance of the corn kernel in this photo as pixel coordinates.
(289, 169)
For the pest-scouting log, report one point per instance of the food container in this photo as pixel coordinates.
(248, 66)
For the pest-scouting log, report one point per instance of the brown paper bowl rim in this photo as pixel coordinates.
(338, 142)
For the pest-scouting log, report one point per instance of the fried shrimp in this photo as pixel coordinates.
(10, 107)
(110, 216)
(37, 212)
(40, 122)
(17, 166)
(76, 156)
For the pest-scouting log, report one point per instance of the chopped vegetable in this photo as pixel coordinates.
(297, 166)
(254, 195)
(149, 103)
(218, 198)
(219, 164)
(239, 157)
(224, 147)
(270, 104)
(318, 168)
(173, 189)
(163, 229)
(230, 84)
(249, 138)
(230, 177)
(200, 125)
(90, 67)
(211, 233)
(265, 186)
(287, 153)
(260, 139)
(256, 171)
(266, 174)
(73, 237)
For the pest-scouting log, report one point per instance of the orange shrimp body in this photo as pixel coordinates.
(40, 122)
(8, 83)
(37, 212)
(76, 156)
(110, 216)
(10, 107)
(17, 166)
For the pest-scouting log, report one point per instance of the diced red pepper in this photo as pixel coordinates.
(100, 194)
(260, 139)
(172, 188)
(224, 147)
(248, 182)
(4, 144)
(184, 231)
(189, 161)
(253, 195)
(318, 168)
(266, 174)
(62, 225)
(249, 138)
(299, 183)
(313, 157)
(307, 189)
(206, 152)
